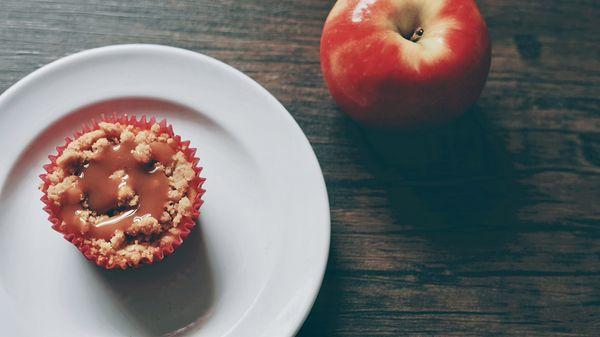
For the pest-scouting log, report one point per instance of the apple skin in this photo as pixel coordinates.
(378, 76)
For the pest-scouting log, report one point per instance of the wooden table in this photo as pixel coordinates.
(487, 226)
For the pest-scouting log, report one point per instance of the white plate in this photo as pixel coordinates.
(254, 265)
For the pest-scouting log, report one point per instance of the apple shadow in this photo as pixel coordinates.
(170, 298)
(453, 184)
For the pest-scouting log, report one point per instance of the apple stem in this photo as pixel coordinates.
(416, 35)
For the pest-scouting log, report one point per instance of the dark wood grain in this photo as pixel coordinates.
(489, 225)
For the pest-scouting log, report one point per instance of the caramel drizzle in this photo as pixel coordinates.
(148, 182)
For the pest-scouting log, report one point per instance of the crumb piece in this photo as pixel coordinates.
(134, 201)
(175, 194)
(85, 215)
(117, 240)
(170, 236)
(125, 194)
(121, 255)
(184, 205)
(142, 153)
(155, 128)
(117, 260)
(165, 217)
(56, 176)
(86, 140)
(74, 154)
(182, 174)
(166, 240)
(117, 175)
(145, 137)
(97, 148)
(100, 144)
(182, 209)
(146, 224)
(165, 138)
(166, 169)
(69, 158)
(126, 136)
(134, 253)
(183, 169)
(111, 129)
(104, 247)
(125, 191)
(71, 184)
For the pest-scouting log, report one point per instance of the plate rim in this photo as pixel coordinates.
(15, 89)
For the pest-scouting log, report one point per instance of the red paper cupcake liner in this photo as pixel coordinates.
(186, 224)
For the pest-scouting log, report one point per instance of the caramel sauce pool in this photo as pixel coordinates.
(95, 182)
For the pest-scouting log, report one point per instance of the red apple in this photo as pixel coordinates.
(405, 63)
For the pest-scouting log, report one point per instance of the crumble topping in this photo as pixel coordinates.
(138, 238)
